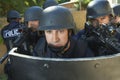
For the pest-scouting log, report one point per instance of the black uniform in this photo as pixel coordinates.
(77, 49)
(10, 33)
(98, 44)
(33, 38)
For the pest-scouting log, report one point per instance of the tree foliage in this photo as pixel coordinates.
(21, 5)
(84, 3)
(62, 1)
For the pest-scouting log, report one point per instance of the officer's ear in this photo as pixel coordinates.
(8, 20)
(70, 32)
(26, 23)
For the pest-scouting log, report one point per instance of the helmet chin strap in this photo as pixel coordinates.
(58, 50)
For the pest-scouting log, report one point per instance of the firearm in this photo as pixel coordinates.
(25, 31)
(18, 42)
(106, 35)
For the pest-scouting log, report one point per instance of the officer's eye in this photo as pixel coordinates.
(115, 17)
(48, 31)
(102, 18)
(61, 30)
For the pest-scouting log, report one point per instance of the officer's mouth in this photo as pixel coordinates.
(56, 45)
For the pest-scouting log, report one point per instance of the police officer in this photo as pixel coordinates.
(116, 11)
(32, 20)
(116, 19)
(58, 42)
(49, 3)
(99, 12)
(11, 31)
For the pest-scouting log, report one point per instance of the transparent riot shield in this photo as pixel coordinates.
(36, 68)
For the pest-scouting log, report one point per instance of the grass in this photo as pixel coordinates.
(3, 77)
(3, 22)
(1, 40)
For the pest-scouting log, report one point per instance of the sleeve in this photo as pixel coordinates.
(89, 53)
(39, 49)
(85, 50)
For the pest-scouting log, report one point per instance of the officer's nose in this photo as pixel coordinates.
(55, 37)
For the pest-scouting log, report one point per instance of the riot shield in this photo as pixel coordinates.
(36, 68)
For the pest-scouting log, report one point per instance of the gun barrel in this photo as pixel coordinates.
(3, 58)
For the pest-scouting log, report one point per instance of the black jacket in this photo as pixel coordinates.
(10, 33)
(78, 49)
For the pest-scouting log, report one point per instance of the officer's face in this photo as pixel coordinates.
(57, 37)
(116, 19)
(103, 19)
(33, 24)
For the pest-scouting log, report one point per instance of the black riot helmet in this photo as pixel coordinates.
(49, 3)
(116, 9)
(32, 13)
(56, 17)
(97, 8)
(13, 14)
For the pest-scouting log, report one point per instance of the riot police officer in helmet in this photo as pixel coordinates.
(12, 15)
(116, 20)
(11, 31)
(32, 19)
(49, 3)
(58, 42)
(99, 12)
